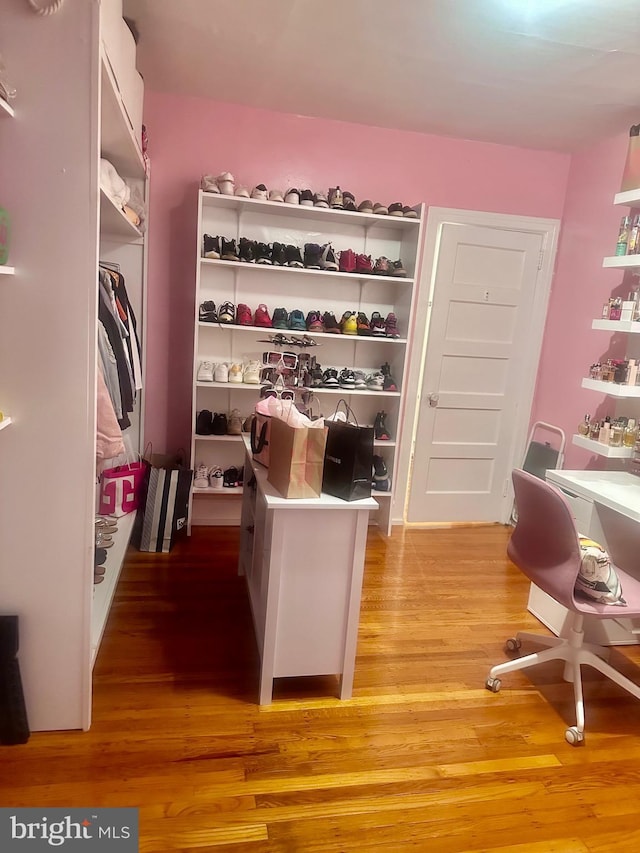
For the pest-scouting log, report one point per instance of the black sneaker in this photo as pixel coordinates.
(313, 256)
(330, 323)
(316, 377)
(306, 198)
(247, 250)
(347, 379)
(389, 382)
(328, 259)
(207, 312)
(279, 254)
(330, 378)
(231, 477)
(219, 424)
(280, 318)
(211, 247)
(380, 431)
(380, 475)
(204, 422)
(263, 254)
(293, 256)
(229, 250)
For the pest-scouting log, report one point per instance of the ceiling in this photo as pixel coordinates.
(555, 74)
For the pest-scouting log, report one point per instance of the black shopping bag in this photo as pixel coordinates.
(348, 458)
(167, 505)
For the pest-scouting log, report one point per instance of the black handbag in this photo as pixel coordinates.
(348, 458)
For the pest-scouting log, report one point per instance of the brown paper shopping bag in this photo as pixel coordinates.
(296, 459)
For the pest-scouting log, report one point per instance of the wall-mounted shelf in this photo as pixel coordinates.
(630, 198)
(622, 262)
(6, 109)
(268, 330)
(5, 422)
(602, 449)
(113, 221)
(239, 266)
(611, 388)
(234, 490)
(626, 326)
(4, 270)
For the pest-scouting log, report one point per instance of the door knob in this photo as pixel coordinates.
(433, 400)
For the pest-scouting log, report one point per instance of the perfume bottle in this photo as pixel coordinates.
(633, 246)
(616, 433)
(630, 433)
(623, 236)
(594, 430)
(605, 432)
(585, 426)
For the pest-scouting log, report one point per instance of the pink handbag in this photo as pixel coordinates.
(120, 489)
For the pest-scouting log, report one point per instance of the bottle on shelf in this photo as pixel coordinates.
(623, 236)
(616, 434)
(605, 431)
(594, 430)
(585, 427)
(630, 433)
(633, 246)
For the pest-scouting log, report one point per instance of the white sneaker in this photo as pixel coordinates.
(242, 192)
(252, 373)
(292, 196)
(205, 371)
(215, 478)
(275, 195)
(201, 478)
(226, 183)
(221, 373)
(208, 184)
(235, 373)
(259, 192)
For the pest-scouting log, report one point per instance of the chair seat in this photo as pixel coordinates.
(630, 593)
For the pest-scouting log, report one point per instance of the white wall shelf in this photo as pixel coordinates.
(630, 198)
(216, 437)
(240, 386)
(5, 422)
(216, 493)
(6, 109)
(626, 326)
(113, 221)
(601, 449)
(239, 266)
(118, 143)
(622, 262)
(4, 270)
(266, 330)
(611, 388)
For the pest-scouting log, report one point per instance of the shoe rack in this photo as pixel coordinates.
(232, 217)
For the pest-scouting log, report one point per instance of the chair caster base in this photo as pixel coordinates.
(493, 684)
(574, 736)
(513, 644)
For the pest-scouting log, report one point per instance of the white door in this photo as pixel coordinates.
(480, 344)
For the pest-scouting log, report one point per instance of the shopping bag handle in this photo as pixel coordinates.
(349, 412)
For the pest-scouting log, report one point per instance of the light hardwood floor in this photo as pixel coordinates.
(422, 758)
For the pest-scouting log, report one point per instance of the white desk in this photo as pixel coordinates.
(606, 506)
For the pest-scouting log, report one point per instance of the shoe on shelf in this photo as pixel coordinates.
(349, 201)
(99, 556)
(389, 382)
(276, 195)
(230, 478)
(366, 206)
(280, 318)
(221, 372)
(244, 317)
(347, 260)
(211, 247)
(312, 256)
(263, 253)
(347, 379)
(377, 325)
(207, 312)
(397, 269)
(219, 425)
(246, 424)
(247, 251)
(292, 196)
(330, 323)
(205, 371)
(229, 250)
(335, 198)
(279, 254)
(103, 540)
(306, 198)
(262, 317)
(380, 209)
(360, 380)
(209, 184)
(106, 525)
(226, 183)
(241, 192)
(375, 381)
(320, 200)
(201, 477)
(314, 322)
(409, 212)
(251, 374)
(363, 326)
(382, 266)
(236, 372)
(363, 264)
(234, 423)
(380, 475)
(349, 324)
(330, 378)
(215, 478)
(380, 429)
(227, 313)
(395, 209)
(296, 321)
(293, 256)
(260, 192)
(204, 422)
(328, 259)
(391, 326)
(317, 377)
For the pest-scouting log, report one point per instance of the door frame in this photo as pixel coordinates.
(437, 218)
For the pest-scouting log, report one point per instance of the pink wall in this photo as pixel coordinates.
(581, 286)
(190, 136)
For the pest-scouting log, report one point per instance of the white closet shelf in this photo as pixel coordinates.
(103, 592)
(632, 326)
(216, 493)
(630, 198)
(241, 386)
(335, 337)
(622, 261)
(602, 449)
(5, 422)
(118, 143)
(113, 221)
(4, 270)
(375, 494)
(6, 109)
(319, 214)
(199, 437)
(343, 276)
(611, 388)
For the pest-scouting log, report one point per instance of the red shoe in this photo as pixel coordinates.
(244, 317)
(347, 261)
(363, 264)
(262, 317)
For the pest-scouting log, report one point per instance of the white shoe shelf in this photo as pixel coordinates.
(306, 290)
(5, 270)
(6, 109)
(5, 422)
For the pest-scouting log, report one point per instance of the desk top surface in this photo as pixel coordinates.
(618, 490)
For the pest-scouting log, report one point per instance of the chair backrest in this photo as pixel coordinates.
(544, 544)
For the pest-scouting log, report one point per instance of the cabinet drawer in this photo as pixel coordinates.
(582, 509)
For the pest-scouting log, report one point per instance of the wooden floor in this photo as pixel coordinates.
(422, 758)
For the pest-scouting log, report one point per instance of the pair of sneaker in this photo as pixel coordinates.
(235, 373)
(208, 313)
(208, 478)
(380, 481)
(317, 257)
(211, 423)
(223, 183)
(305, 198)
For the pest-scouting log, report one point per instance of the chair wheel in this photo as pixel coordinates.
(574, 736)
(493, 684)
(513, 644)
